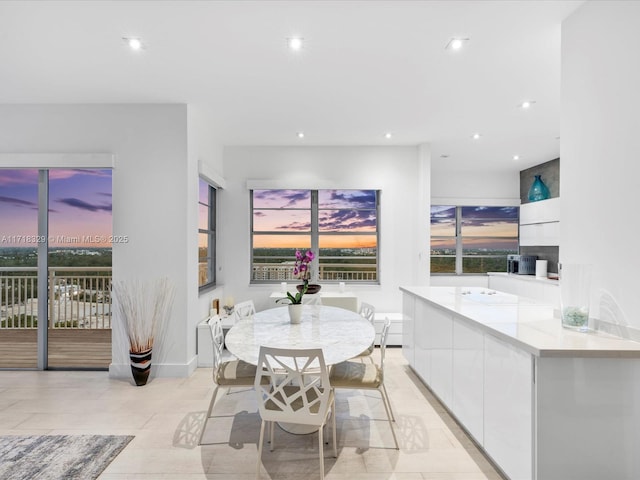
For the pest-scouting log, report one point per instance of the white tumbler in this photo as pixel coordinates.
(541, 268)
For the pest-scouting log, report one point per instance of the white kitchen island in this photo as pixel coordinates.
(544, 402)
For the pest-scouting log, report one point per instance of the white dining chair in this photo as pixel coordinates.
(232, 373)
(293, 387)
(365, 376)
(311, 300)
(368, 311)
(244, 309)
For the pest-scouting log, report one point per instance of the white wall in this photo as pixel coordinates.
(397, 171)
(475, 187)
(153, 200)
(205, 156)
(600, 151)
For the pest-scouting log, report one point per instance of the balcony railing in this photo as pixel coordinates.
(327, 272)
(78, 297)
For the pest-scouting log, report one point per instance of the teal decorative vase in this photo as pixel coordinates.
(538, 190)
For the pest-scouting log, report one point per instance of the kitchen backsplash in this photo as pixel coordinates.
(551, 254)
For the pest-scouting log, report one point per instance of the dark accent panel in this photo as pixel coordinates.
(550, 174)
(550, 254)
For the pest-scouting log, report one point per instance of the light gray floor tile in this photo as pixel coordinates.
(166, 418)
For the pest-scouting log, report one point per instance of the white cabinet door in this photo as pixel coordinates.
(508, 407)
(408, 347)
(536, 234)
(503, 284)
(440, 345)
(468, 378)
(539, 212)
(422, 353)
(540, 223)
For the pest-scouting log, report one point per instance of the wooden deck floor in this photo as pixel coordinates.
(68, 348)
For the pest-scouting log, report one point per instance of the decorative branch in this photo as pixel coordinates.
(144, 309)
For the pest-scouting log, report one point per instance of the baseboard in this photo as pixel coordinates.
(162, 370)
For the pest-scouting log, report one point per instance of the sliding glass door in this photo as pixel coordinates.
(79, 241)
(18, 268)
(59, 225)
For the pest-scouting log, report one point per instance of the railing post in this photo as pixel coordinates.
(52, 280)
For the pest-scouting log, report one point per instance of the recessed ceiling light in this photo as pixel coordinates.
(295, 43)
(527, 104)
(476, 136)
(134, 43)
(387, 135)
(300, 134)
(456, 43)
(516, 157)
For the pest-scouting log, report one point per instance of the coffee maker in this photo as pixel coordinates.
(521, 264)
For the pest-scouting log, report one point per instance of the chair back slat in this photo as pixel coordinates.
(217, 341)
(383, 341)
(368, 311)
(244, 309)
(292, 385)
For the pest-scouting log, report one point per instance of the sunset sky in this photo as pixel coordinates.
(79, 206)
(482, 227)
(289, 211)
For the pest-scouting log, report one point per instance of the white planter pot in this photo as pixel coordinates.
(295, 313)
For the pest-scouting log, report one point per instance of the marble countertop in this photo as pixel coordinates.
(524, 322)
(551, 279)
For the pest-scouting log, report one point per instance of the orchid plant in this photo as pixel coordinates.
(302, 270)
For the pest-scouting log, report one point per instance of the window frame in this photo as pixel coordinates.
(459, 239)
(211, 231)
(315, 234)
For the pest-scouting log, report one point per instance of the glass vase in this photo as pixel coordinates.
(538, 190)
(575, 293)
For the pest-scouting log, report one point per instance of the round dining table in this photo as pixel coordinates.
(341, 334)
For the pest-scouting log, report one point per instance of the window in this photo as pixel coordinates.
(206, 235)
(339, 226)
(472, 239)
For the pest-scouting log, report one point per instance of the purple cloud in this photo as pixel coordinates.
(474, 216)
(347, 220)
(300, 226)
(77, 203)
(17, 202)
(280, 198)
(93, 172)
(481, 216)
(348, 199)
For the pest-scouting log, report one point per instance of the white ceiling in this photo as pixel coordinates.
(367, 67)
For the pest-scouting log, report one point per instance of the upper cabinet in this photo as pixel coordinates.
(540, 220)
(540, 223)
(543, 211)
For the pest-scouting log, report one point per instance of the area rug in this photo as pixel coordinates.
(57, 457)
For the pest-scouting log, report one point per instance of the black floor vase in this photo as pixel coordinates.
(140, 366)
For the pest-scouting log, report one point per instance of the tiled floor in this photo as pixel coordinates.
(166, 417)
